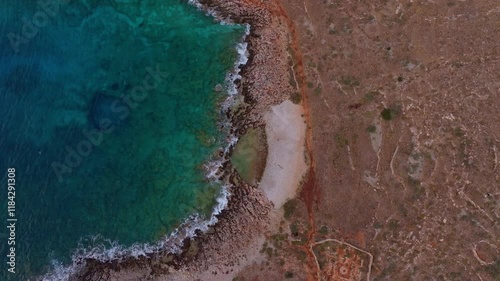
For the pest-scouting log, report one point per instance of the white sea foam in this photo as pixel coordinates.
(214, 167)
(111, 250)
(242, 50)
(209, 11)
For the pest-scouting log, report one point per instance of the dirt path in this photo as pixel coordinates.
(310, 191)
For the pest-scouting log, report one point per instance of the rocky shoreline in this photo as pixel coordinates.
(265, 81)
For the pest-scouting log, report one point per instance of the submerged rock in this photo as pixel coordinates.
(108, 111)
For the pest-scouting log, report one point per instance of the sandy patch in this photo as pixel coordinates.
(285, 130)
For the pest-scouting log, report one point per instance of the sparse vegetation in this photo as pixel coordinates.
(393, 224)
(288, 274)
(301, 255)
(323, 230)
(294, 229)
(494, 269)
(278, 240)
(289, 208)
(370, 96)
(386, 114)
(390, 112)
(416, 187)
(291, 77)
(458, 132)
(349, 81)
(264, 247)
(269, 252)
(341, 141)
(295, 97)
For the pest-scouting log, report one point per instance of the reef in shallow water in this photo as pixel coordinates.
(108, 111)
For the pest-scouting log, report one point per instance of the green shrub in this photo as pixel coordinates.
(370, 96)
(393, 224)
(289, 208)
(323, 230)
(294, 229)
(349, 81)
(494, 269)
(296, 98)
(391, 112)
(386, 114)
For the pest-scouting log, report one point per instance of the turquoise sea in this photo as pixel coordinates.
(108, 115)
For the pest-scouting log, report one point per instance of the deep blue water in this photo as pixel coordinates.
(107, 114)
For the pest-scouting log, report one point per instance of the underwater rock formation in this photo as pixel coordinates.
(105, 107)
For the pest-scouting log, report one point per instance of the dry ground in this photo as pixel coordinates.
(405, 119)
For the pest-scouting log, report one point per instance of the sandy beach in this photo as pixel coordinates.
(285, 130)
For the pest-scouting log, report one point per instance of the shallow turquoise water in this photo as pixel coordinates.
(108, 115)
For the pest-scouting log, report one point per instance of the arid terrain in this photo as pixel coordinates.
(405, 122)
